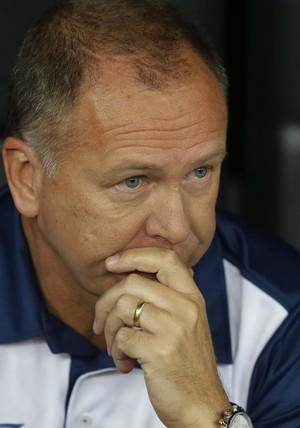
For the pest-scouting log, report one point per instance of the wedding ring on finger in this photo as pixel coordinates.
(137, 314)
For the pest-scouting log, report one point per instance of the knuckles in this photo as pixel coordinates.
(131, 280)
(194, 310)
(123, 337)
(123, 301)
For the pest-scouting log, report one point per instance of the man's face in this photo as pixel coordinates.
(143, 172)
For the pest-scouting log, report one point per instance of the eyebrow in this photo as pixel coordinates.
(144, 166)
(119, 169)
(220, 153)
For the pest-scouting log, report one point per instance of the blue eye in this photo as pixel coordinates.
(200, 172)
(132, 182)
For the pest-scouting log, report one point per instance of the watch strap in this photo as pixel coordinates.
(230, 413)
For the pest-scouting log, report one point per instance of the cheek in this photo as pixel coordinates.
(204, 219)
(203, 227)
(103, 231)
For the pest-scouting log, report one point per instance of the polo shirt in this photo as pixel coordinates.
(51, 377)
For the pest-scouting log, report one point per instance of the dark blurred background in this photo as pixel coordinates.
(258, 41)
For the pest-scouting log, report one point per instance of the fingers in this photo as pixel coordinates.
(128, 344)
(170, 293)
(143, 345)
(125, 344)
(172, 296)
(122, 315)
(126, 295)
(168, 268)
(116, 298)
(123, 361)
(174, 346)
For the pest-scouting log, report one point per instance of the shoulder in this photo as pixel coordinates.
(261, 257)
(274, 391)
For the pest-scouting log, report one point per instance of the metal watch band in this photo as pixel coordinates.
(230, 414)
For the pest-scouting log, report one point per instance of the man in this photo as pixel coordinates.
(121, 305)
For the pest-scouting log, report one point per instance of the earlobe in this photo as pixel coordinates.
(21, 169)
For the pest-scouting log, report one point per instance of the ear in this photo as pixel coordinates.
(22, 172)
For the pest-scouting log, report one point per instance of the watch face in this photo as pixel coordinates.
(240, 420)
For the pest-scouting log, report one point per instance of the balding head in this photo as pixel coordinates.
(73, 45)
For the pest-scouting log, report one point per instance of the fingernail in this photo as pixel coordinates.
(113, 260)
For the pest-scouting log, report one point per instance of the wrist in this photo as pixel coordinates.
(203, 415)
(226, 415)
(235, 417)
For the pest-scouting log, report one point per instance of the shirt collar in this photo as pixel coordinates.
(30, 317)
(19, 296)
(210, 277)
(19, 290)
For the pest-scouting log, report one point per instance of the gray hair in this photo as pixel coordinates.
(76, 39)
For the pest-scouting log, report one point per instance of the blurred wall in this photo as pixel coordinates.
(258, 41)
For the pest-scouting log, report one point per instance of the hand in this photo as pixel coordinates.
(174, 347)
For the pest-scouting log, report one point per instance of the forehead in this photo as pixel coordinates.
(118, 110)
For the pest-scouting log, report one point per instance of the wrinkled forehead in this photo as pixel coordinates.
(118, 97)
(119, 121)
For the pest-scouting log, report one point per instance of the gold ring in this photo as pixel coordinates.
(137, 314)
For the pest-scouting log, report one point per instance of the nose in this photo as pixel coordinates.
(169, 217)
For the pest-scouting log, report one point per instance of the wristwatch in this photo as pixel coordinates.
(236, 417)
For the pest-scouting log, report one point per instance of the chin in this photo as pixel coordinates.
(196, 256)
(98, 286)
